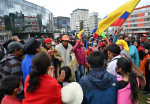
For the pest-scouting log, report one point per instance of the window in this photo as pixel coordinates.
(134, 15)
(146, 19)
(134, 25)
(146, 24)
(146, 14)
(135, 20)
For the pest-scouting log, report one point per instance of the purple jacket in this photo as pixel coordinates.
(80, 54)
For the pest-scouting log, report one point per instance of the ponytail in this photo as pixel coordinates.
(134, 87)
(40, 63)
(33, 81)
(126, 65)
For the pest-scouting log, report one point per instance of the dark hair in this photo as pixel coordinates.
(115, 49)
(89, 44)
(138, 42)
(31, 45)
(96, 59)
(96, 40)
(40, 63)
(67, 72)
(10, 83)
(126, 65)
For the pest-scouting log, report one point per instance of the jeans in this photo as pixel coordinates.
(81, 69)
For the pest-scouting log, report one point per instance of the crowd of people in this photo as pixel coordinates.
(107, 71)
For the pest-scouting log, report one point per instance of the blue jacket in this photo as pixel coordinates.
(26, 66)
(99, 87)
(134, 55)
(132, 50)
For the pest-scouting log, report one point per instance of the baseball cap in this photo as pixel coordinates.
(14, 46)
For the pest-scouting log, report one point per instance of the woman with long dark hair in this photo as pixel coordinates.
(128, 92)
(40, 86)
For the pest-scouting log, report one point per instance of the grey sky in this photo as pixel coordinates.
(65, 7)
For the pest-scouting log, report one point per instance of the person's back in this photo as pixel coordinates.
(47, 92)
(126, 53)
(40, 86)
(31, 47)
(99, 86)
(26, 65)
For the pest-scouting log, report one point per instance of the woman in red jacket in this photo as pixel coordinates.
(40, 86)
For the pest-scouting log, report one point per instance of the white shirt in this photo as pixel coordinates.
(112, 66)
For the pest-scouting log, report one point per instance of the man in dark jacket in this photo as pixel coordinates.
(99, 86)
(11, 64)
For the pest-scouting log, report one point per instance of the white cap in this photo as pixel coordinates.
(72, 94)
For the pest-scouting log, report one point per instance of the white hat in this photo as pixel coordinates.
(72, 94)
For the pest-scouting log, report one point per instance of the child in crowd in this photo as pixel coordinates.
(95, 45)
(10, 85)
(67, 74)
(89, 50)
(128, 84)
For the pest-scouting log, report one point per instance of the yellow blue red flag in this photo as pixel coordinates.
(80, 34)
(117, 17)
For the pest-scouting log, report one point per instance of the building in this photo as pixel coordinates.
(15, 13)
(2, 24)
(80, 20)
(138, 22)
(31, 24)
(93, 21)
(62, 23)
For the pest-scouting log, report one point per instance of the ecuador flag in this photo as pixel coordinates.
(117, 17)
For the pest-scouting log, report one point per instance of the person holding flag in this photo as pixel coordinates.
(79, 51)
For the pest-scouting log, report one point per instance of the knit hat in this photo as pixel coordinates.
(14, 46)
(124, 44)
(31, 45)
(72, 94)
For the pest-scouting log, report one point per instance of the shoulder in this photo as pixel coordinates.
(83, 80)
(70, 46)
(58, 46)
(112, 76)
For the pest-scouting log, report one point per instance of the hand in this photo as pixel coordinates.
(79, 40)
(51, 71)
(60, 59)
(61, 77)
(15, 38)
(51, 52)
(118, 30)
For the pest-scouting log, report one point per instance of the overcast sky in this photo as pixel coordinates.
(65, 7)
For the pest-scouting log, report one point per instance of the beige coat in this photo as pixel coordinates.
(65, 54)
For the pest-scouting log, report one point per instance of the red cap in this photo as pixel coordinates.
(47, 40)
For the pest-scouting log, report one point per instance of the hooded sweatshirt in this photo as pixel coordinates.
(99, 87)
